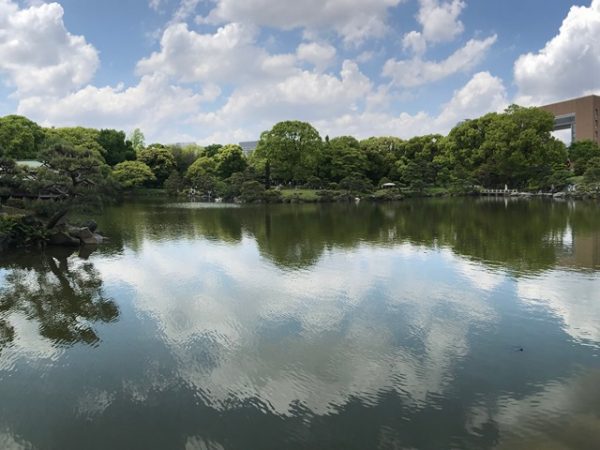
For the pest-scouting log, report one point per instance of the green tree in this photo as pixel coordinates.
(132, 174)
(185, 156)
(230, 160)
(11, 177)
(290, 149)
(252, 192)
(138, 141)
(417, 165)
(116, 148)
(70, 171)
(202, 176)
(592, 171)
(212, 150)
(580, 153)
(20, 138)
(514, 148)
(78, 137)
(160, 160)
(381, 154)
(202, 166)
(174, 183)
(342, 157)
(357, 184)
(64, 302)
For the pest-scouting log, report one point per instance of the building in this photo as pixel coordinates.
(579, 114)
(248, 147)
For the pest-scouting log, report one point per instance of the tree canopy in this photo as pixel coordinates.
(230, 159)
(20, 138)
(133, 174)
(290, 149)
(580, 153)
(514, 148)
(138, 141)
(160, 160)
(116, 148)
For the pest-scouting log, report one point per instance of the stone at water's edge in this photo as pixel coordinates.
(91, 225)
(74, 236)
(63, 238)
(87, 237)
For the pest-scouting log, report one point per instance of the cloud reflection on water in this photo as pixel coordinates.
(308, 336)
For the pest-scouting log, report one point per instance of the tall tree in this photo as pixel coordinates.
(116, 148)
(212, 150)
(230, 160)
(131, 174)
(514, 148)
(291, 150)
(20, 138)
(580, 153)
(138, 141)
(160, 159)
(381, 154)
(342, 157)
(185, 156)
(71, 172)
(78, 137)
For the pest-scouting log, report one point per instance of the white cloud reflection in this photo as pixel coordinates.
(571, 296)
(306, 336)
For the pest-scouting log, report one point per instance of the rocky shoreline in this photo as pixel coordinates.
(21, 228)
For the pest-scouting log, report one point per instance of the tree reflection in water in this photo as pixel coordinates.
(521, 236)
(59, 291)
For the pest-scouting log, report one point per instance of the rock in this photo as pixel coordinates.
(63, 238)
(91, 225)
(88, 238)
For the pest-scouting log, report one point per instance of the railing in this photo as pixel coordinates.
(498, 191)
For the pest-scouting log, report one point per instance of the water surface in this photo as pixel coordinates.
(424, 324)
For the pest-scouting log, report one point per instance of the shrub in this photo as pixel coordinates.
(252, 192)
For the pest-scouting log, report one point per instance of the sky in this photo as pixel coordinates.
(223, 71)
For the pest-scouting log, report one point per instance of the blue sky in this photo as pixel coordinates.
(225, 70)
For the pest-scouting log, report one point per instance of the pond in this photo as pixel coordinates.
(430, 324)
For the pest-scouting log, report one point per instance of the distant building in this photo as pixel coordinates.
(579, 114)
(248, 147)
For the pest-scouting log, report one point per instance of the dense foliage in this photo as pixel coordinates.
(514, 149)
(20, 138)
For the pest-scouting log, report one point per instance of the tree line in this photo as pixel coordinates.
(513, 148)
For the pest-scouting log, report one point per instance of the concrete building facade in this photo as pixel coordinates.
(579, 114)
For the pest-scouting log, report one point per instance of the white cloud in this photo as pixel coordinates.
(568, 65)
(185, 10)
(192, 69)
(440, 19)
(37, 53)
(153, 105)
(321, 55)
(571, 296)
(305, 95)
(358, 360)
(417, 72)
(230, 55)
(354, 20)
(415, 42)
(482, 94)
